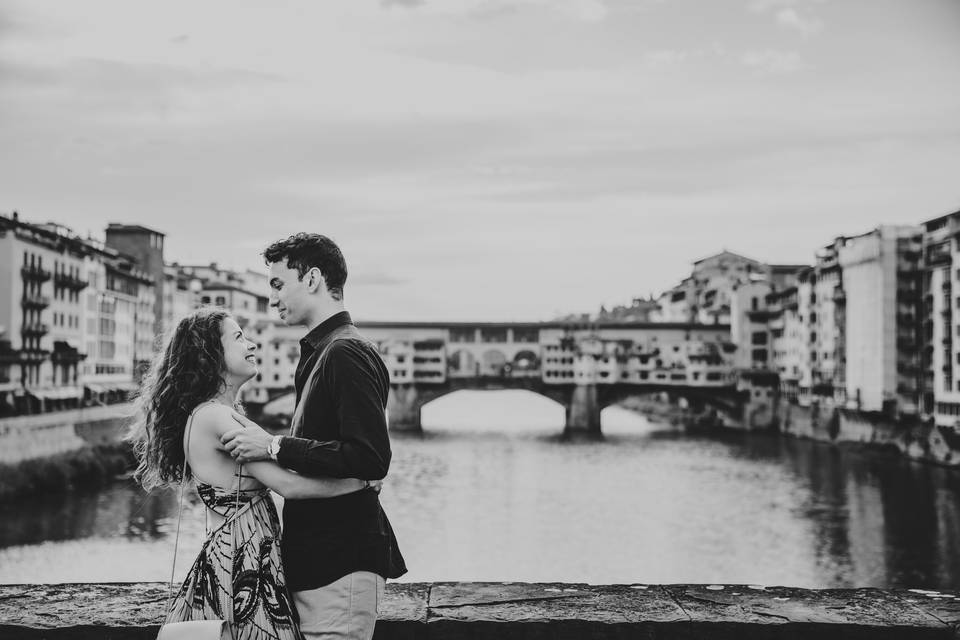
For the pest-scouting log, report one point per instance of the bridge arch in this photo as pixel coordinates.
(492, 362)
(715, 403)
(462, 362)
(526, 361)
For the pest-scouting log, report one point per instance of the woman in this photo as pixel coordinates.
(186, 402)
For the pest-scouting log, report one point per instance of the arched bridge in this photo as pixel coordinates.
(584, 368)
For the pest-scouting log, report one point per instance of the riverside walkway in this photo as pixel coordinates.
(521, 611)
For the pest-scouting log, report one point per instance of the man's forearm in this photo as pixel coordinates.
(332, 458)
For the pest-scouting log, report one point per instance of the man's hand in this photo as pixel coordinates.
(247, 443)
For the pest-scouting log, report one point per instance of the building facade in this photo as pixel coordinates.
(707, 295)
(881, 280)
(940, 328)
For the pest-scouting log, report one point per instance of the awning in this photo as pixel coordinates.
(64, 393)
(95, 388)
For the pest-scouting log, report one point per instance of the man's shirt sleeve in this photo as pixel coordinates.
(355, 382)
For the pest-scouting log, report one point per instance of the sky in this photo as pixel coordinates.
(483, 159)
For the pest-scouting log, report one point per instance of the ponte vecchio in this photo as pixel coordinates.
(583, 367)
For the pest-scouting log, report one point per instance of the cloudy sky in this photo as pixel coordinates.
(484, 159)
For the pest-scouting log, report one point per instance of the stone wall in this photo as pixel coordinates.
(518, 611)
(50, 434)
(916, 440)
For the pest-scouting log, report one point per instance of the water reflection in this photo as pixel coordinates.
(491, 493)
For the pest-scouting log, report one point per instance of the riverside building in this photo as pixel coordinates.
(707, 295)
(940, 320)
(69, 314)
(881, 282)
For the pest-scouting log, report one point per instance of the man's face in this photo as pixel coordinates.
(289, 294)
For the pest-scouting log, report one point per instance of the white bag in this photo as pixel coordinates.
(196, 630)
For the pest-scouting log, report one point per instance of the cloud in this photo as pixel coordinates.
(577, 10)
(665, 57)
(789, 18)
(788, 15)
(403, 3)
(773, 62)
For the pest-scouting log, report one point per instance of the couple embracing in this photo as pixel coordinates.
(324, 577)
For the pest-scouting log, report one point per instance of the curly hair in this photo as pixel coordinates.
(304, 251)
(187, 371)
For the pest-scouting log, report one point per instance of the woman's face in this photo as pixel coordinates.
(239, 355)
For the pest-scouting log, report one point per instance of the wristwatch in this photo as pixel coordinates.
(274, 447)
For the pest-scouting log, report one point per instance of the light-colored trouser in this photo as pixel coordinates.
(342, 610)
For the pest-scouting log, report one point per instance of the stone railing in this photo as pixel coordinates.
(516, 611)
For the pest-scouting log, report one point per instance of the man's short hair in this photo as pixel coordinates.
(304, 251)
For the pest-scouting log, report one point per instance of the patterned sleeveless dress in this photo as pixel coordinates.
(243, 551)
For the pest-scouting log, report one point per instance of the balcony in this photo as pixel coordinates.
(905, 294)
(938, 254)
(67, 357)
(35, 302)
(68, 281)
(13, 356)
(37, 274)
(35, 329)
(907, 343)
(7, 353)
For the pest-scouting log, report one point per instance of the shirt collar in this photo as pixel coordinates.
(316, 336)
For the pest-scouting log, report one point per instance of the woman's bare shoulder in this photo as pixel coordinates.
(214, 418)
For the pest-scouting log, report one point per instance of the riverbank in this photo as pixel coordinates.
(911, 438)
(92, 466)
(657, 411)
(518, 611)
(56, 452)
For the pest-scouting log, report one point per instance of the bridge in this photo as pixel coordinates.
(585, 368)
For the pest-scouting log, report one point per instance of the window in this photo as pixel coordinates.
(759, 337)
(221, 301)
(493, 335)
(462, 335)
(754, 303)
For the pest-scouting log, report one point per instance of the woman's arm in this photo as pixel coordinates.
(294, 486)
(218, 419)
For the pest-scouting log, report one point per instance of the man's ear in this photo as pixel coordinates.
(315, 280)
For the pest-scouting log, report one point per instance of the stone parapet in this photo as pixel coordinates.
(515, 611)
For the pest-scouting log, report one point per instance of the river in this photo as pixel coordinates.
(491, 493)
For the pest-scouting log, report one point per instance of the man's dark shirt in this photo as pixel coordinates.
(339, 429)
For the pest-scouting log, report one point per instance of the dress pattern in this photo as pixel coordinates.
(243, 552)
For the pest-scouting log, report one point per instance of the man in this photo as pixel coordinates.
(337, 552)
